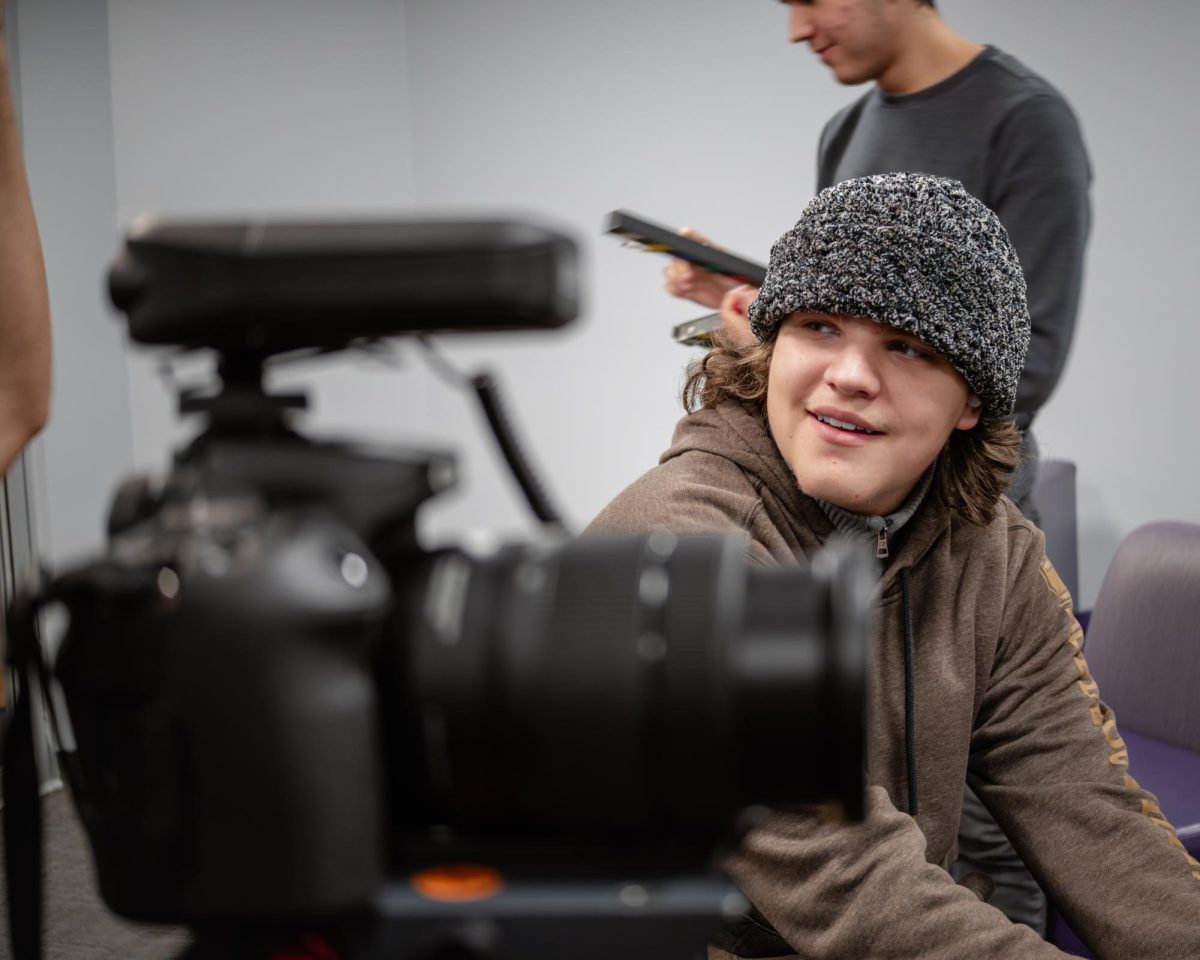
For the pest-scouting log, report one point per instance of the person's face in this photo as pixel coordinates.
(830, 375)
(854, 38)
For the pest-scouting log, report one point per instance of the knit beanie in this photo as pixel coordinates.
(917, 253)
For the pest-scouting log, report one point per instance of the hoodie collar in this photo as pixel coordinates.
(737, 432)
(863, 526)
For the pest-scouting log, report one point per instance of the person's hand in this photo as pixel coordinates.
(735, 324)
(682, 279)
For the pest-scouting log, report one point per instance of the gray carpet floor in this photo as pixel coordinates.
(77, 924)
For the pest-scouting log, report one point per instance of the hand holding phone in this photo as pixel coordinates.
(686, 280)
(700, 272)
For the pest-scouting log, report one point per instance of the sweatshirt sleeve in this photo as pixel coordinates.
(694, 494)
(1048, 761)
(1039, 188)
(866, 890)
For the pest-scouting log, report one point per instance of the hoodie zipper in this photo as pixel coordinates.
(881, 542)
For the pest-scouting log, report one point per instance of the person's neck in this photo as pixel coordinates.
(930, 52)
(867, 525)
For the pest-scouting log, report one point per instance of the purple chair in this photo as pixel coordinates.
(1143, 648)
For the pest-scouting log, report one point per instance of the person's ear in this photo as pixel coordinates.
(971, 412)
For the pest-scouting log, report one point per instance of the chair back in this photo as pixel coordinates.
(1053, 497)
(1143, 638)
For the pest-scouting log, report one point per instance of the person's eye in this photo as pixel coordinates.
(910, 350)
(820, 326)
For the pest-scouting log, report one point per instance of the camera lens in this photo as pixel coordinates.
(631, 686)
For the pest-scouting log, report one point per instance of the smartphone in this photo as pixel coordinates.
(698, 332)
(659, 239)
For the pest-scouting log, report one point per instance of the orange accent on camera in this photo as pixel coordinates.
(458, 882)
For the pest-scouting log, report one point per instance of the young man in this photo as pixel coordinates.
(943, 104)
(891, 329)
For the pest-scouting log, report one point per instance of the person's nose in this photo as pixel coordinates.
(853, 371)
(800, 24)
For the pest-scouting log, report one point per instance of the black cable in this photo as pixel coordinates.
(487, 391)
(441, 366)
(489, 398)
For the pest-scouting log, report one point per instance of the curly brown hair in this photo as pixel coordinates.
(973, 470)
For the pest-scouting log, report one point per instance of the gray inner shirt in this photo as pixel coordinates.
(880, 530)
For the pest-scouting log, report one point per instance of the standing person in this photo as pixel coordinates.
(943, 104)
(24, 301)
(891, 332)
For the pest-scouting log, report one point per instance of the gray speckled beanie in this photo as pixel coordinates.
(917, 253)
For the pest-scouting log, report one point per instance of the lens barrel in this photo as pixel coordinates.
(634, 686)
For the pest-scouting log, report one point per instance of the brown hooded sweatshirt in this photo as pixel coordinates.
(1002, 698)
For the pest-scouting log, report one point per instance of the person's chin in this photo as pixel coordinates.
(850, 76)
(839, 491)
(850, 500)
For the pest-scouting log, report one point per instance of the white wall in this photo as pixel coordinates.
(695, 112)
(67, 132)
(577, 109)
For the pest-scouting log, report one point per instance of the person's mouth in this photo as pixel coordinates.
(823, 53)
(846, 422)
